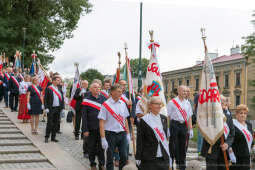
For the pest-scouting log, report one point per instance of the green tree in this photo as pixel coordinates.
(248, 50)
(92, 74)
(134, 66)
(48, 23)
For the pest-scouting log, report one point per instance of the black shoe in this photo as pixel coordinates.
(54, 140)
(76, 137)
(59, 132)
(85, 155)
(46, 140)
(81, 136)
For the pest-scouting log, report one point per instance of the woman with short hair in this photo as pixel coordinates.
(34, 104)
(241, 148)
(152, 145)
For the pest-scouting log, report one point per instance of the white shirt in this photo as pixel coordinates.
(157, 120)
(111, 124)
(23, 87)
(138, 109)
(174, 113)
(56, 101)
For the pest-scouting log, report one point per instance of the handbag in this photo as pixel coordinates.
(69, 117)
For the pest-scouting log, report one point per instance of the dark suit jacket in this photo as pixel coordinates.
(239, 146)
(216, 149)
(48, 99)
(78, 99)
(147, 143)
(13, 88)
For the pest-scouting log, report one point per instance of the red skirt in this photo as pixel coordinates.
(23, 111)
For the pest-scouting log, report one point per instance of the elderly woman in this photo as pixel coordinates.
(242, 145)
(152, 145)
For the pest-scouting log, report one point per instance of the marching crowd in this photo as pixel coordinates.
(105, 116)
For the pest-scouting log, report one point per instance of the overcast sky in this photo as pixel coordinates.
(176, 23)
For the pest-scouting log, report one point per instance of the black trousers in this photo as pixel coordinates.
(85, 145)
(6, 101)
(1, 92)
(114, 140)
(216, 164)
(242, 163)
(77, 128)
(52, 122)
(95, 148)
(158, 164)
(13, 101)
(178, 143)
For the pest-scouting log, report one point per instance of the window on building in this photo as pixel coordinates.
(226, 81)
(217, 80)
(237, 100)
(238, 81)
(187, 82)
(166, 86)
(197, 84)
(172, 85)
(180, 82)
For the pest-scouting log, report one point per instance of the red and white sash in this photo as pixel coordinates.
(125, 100)
(182, 111)
(138, 98)
(104, 93)
(226, 130)
(7, 76)
(159, 132)
(15, 81)
(116, 116)
(245, 131)
(87, 102)
(56, 92)
(37, 91)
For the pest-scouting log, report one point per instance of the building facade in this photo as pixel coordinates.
(232, 72)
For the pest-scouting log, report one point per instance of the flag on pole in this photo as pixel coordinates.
(1, 62)
(32, 69)
(210, 116)
(153, 85)
(43, 78)
(76, 84)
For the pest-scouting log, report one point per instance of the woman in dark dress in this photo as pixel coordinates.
(35, 104)
(243, 142)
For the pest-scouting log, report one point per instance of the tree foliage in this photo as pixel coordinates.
(48, 23)
(248, 49)
(134, 64)
(92, 74)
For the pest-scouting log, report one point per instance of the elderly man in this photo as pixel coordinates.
(78, 96)
(180, 111)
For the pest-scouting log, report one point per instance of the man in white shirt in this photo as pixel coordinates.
(114, 129)
(180, 111)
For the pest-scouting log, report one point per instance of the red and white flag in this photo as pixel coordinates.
(210, 116)
(42, 78)
(153, 85)
(76, 84)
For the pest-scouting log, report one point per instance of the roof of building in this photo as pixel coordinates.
(224, 58)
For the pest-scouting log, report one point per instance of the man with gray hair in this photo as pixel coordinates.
(180, 111)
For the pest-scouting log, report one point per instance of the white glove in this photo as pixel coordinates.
(232, 157)
(168, 133)
(138, 162)
(42, 107)
(47, 111)
(128, 138)
(28, 106)
(104, 143)
(9, 93)
(4, 84)
(82, 91)
(191, 133)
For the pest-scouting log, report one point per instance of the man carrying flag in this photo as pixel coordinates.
(215, 125)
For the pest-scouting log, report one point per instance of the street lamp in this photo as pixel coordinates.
(24, 38)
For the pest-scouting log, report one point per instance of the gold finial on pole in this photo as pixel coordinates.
(125, 48)
(76, 64)
(119, 55)
(151, 35)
